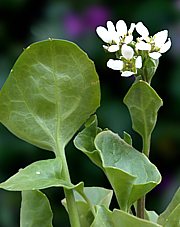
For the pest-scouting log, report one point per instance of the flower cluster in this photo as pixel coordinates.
(130, 53)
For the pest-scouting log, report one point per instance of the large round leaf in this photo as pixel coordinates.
(51, 91)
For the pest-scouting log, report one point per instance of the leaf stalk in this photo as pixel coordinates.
(141, 201)
(69, 195)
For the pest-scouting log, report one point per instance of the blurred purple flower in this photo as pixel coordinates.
(77, 25)
(73, 25)
(96, 15)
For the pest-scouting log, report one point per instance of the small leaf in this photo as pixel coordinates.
(143, 104)
(35, 210)
(149, 68)
(170, 217)
(84, 141)
(127, 138)
(38, 175)
(130, 172)
(51, 91)
(106, 218)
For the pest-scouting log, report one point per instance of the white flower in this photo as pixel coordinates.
(115, 36)
(156, 45)
(160, 41)
(123, 32)
(129, 65)
(109, 36)
(159, 44)
(142, 30)
(118, 65)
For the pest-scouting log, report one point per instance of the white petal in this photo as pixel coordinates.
(121, 28)
(138, 62)
(127, 73)
(115, 38)
(110, 26)
(160, 38)
(132, 27)
(166, 46)
(142, 30)
(104, 34)
(155, 55)
(143, 46)
(113, 48)
(105, 47)
(115, 64)
(112, 32)
(128, 39)
(127, 51)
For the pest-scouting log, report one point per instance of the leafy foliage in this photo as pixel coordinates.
(51, 91)
(44, 98)
(87, 201)
(130, 172)
(52, 80)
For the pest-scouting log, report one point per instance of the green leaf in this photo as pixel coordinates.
(38, 175)
(51, 91)
(106, 218)
(149, 68)
(173, 219)
(127, 138)
(130, 172)
(170, 217)
(84, 141)
(143, 104)
(96, 196)
(87, 200)
(35, 210)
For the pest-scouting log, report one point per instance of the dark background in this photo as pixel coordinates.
(25, 21)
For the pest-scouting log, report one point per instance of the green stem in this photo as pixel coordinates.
(70, 200)
(141, 201)
(72, 209)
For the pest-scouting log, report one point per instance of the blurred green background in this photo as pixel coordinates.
(25, 21)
